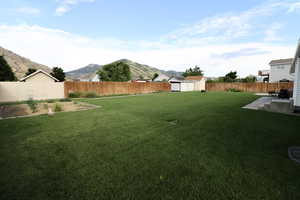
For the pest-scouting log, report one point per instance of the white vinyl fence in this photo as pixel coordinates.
(22, 91)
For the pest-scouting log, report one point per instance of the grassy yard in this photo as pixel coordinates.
(160, 146)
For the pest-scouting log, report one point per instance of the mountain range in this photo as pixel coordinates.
(137, 71)
(20, 66)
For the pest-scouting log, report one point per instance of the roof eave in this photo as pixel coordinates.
(39, 71)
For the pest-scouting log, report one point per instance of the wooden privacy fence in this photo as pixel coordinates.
(112, 88)
(250, 87)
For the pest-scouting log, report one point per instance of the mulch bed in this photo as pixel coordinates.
(11, 111)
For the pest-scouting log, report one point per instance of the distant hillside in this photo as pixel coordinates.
(20, 64)
(172, 73)
(136, 69)
(84, 73)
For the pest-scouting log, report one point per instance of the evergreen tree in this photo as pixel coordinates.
(230, 77)
(6, 73)
(155, 76)
(196, 71)
(30, 71)
(58, 73)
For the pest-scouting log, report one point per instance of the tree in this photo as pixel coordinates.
(249, 79)
(58, 73)
(117, 71)
(141, 77)
(155, 76)
(6, 73)
(196, 71)
(230, 77)
(30, 71)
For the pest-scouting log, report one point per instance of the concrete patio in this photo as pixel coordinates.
(272, 104)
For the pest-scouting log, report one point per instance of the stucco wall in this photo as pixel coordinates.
(40, 77)
(22, 91)
(279, 72)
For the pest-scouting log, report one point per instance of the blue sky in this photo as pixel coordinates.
(219, 36)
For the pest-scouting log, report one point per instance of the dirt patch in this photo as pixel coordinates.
(7, 111)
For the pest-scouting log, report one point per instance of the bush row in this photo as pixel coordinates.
(83, 95)
(233, 90)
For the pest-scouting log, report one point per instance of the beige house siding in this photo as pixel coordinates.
(37, 90)
(40, 77)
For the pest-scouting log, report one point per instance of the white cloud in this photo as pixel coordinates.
(271, 34)
(232, 27)
(66, 5)
(220, 28)
(293, 7)
(217, 44)
(28, 11)
(58, 48)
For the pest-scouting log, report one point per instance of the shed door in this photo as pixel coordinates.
(185, 87)
(175, 87)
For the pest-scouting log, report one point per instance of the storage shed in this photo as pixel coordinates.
(195, 83)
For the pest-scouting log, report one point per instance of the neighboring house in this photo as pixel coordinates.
(263, 76)
(85, 80)
(175, 78)
(295, 71)
(190, 83)
(39, 76)
(142, 80)
(280, 70)
(161, 77)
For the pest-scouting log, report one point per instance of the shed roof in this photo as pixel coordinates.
(37, 72)
(194, 78)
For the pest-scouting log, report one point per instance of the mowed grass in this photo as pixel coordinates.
(160, 146)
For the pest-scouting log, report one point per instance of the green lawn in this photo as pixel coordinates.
(128, 149)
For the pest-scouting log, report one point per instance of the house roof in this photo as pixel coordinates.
(297, 55)
(177, 78)
(161, 76)
(36, 72)
(194, 78)
(282, 61)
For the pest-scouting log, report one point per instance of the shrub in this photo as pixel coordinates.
(65, 100)
(90, 95)
(233, 90)
(75, 94)
(50, 101)
(45, 106)
(57, 108)
(32, 105)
